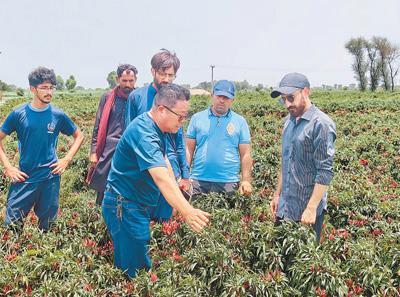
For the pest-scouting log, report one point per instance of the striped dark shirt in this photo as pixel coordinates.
(307, 159)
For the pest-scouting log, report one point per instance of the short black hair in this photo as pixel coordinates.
(170, 94)
(41, 75)
(124, 67)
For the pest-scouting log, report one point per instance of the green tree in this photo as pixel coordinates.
(356, 47)
(112, 79)
(383, 45)
(70, 83)
(4, 87)
(205, 85)
(60, 83)
(373, 65)
(20, 92)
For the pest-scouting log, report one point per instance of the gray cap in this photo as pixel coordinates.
(290, 83)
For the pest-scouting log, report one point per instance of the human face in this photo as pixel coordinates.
(127, 81)
(163, 77)
(43, 93)
(173, 118)
(221, 105)
(296, 103)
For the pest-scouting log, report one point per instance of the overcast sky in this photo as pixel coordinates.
(256, 40)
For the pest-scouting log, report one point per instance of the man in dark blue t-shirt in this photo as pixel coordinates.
(36, 182)
(140, 173)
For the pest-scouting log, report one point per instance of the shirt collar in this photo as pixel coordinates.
(308, 115)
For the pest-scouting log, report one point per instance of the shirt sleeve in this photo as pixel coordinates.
(67, 127)
(181, 153)
(149, 151)
(191, 130)
(10, 124)
(244, 133)
(96, 123)
(324, 151)
(131, 110)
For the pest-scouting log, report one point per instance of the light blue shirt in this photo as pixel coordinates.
(216, 156)
(307, 159)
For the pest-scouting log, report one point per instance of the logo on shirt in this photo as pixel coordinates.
(50, 127)
(230, 128)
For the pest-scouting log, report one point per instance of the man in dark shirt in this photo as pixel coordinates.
(108, 128)
(307, 156)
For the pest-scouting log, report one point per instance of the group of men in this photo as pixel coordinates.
(141, 163)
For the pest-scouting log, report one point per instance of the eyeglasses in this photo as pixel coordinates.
(166, 75)
(44, 88)
(181, 117)
(290, 98)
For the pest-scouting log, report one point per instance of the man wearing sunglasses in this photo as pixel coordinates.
(108, 128)
(139, 174)
(164, 66)
(36, 182)
(218, 146)
(307, 156)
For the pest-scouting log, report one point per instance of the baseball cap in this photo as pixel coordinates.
(290, 83)
(224, 88)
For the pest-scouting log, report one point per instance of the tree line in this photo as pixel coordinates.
(375, 61)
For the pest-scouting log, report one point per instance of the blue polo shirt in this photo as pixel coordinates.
(140, 101)
(141, 147)
(37, 133)
(216, 157)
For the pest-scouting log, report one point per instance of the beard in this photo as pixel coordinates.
(127, 90)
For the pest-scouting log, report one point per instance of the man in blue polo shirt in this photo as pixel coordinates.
(164, 66)
(307, 156)
(36, 182)
(218, 146)
(140, 173)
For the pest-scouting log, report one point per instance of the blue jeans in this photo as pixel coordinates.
(128, 223)
(43, 196)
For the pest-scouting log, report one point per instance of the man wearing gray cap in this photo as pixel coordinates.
(307, 156)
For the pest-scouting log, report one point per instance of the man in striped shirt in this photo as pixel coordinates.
(307, 156)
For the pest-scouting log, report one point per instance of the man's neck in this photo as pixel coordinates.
(36, 103)
(154, 117)
(218, 114)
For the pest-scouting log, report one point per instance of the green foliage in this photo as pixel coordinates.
(242, 253)
(60, 83)
(70, 83)
(20, 92)
(112, 79)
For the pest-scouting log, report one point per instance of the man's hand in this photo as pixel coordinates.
(184, 184)
(309, 215)
(274, 205)
(93, 159)
(15, 174)
(245, 188)
(60, 165)
(196, 219)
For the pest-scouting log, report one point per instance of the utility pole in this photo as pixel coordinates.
(212, 77)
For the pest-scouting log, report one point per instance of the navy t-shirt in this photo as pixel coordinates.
(37, 132)
(141, 147)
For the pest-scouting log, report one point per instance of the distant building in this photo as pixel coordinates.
(199, 92)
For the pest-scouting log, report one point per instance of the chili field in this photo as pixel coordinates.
(241, 253)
